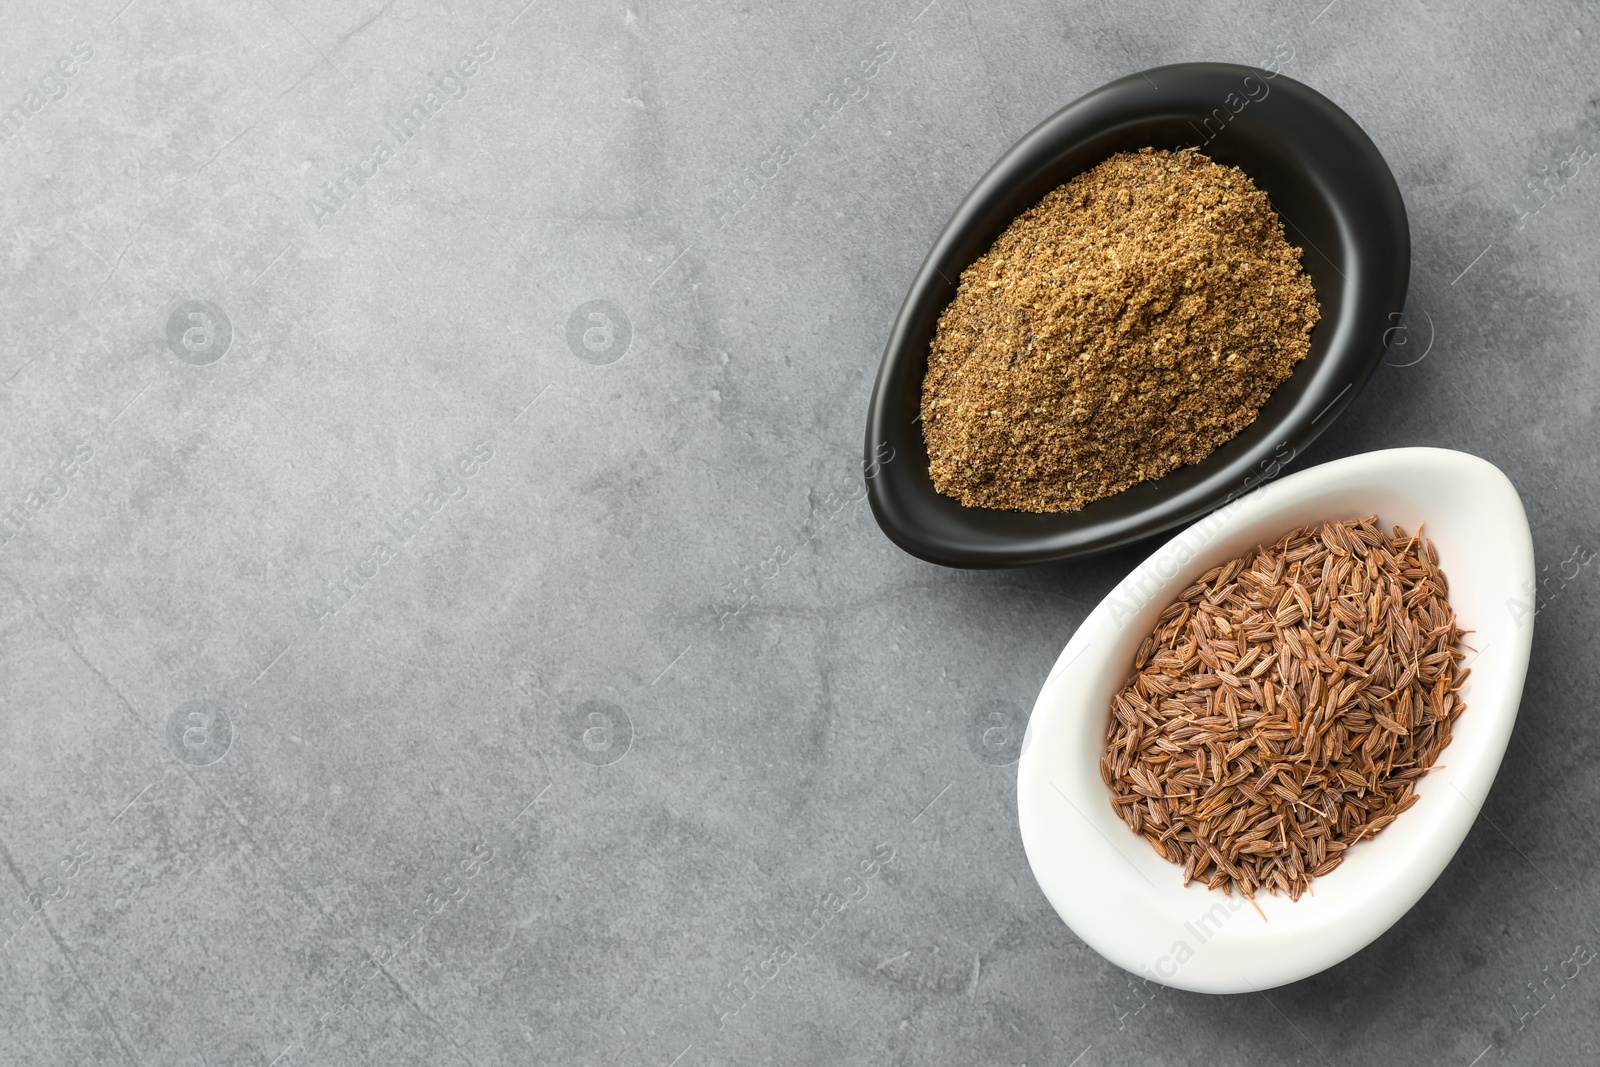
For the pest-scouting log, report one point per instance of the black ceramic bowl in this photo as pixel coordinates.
(1338, 202)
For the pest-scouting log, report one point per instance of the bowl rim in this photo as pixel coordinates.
(1350, 175)
(1132, 899)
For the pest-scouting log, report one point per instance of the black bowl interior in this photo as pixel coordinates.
(1338, 201)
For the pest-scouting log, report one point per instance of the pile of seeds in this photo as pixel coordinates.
(1286, 705)
(1129, 323)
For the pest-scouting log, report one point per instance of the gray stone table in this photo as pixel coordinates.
(438, 618)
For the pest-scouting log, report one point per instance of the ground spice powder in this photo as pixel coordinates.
(1129, 323)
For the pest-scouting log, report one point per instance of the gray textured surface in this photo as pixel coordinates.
(573, 752)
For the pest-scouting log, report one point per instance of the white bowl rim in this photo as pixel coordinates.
(1124, 900)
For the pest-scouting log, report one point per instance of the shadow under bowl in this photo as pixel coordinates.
(1338, 201)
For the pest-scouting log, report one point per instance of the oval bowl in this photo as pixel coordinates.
(1338, 201)
(1128, 903)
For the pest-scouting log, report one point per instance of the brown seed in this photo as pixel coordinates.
(1266, 784)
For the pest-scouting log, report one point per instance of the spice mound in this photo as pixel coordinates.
(1286, 705)
(1129, 323)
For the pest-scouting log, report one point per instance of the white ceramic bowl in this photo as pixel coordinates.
(1127, 902)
